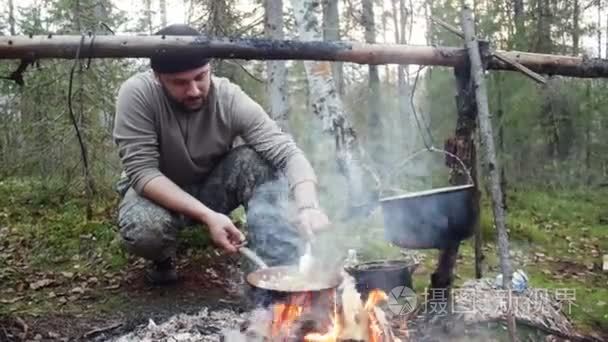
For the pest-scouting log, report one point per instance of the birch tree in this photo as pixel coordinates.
(328, 106)
(374, 122)
(400, 19)
(331, 31)
(11, 17)
(163, 12)
(277, 71)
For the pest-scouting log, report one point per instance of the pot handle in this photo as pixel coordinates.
(429, 149)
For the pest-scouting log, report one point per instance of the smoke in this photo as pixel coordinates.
(358, 223)
(272, 232)
(353, 205)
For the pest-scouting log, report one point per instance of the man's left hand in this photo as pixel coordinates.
(311, 220)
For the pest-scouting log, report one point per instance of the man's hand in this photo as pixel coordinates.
(223, 232)
(311, 220)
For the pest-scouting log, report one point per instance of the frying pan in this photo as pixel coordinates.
(282, 280)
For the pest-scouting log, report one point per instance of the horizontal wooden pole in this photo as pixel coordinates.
(132, 46)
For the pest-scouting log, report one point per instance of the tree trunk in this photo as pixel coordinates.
(501, 137)
(551, 125)
(518, 13)
(599, 29)
(443, 279)
(387, 71)
(11, 17)
(575, 28)
(490, 160)
(543, 30)
(148, 5)
(331, 32)
(404, 92)
(463, 146)
(428, 13)
(588, 138)
(277, 71)
(163, 12)
(329, 108)
(374, 123)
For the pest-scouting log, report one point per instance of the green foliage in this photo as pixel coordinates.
(546, 135)
(51, 221)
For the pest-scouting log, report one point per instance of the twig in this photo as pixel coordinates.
(17, 75)
(244, 69)
(538, 78)
(522, 68)
(250, 26)
(101, 330)
(23, 326)
(448, 27)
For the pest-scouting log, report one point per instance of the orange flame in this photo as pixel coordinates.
(368, 323)
(283, 317)
(374, 298)
(375, 332)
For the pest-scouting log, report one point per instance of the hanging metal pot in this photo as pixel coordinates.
(433, 218)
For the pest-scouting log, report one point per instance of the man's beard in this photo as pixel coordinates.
(181, 105)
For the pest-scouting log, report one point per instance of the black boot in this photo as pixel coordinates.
(162, 272)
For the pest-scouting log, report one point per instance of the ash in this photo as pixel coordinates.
(205, 326)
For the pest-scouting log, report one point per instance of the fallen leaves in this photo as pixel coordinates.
(11, 301)
(77, 290)
(68, 275)
(41, 283)
(112, 287)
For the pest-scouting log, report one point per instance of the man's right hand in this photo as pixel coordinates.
(224, 233)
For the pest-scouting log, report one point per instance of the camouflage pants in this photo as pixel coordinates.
(241, 178)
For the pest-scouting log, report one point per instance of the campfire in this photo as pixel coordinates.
(331, 315)
(336, 314)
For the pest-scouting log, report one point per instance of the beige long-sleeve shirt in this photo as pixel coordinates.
(155, 138)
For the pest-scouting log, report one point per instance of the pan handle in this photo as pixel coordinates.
(249, 254)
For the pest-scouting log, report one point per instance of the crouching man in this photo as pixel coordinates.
(175, 127)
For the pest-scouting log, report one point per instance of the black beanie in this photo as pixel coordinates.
(173, 62)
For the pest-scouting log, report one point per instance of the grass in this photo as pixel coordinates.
(51, 225)
(567, 228)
